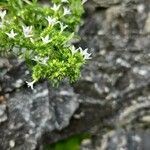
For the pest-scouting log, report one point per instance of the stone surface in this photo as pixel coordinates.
(125, 140)
(111, 100)
(31, 113)
(107, 3)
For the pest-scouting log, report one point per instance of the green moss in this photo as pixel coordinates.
(72, 143)
(50, 59)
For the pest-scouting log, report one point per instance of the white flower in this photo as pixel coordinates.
(2, 14)
(37, 59)
(44, 60)
(64, 1)
(85, 53)
(55, 7)
(73, 50)
(32, 40)
(12, 34)
(30, 84)
(62, 27)
(41, 60)
(66, 11)
(51, 21)
(27, 30)
(46, 39)
(84, 1)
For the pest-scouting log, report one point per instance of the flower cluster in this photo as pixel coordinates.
(43, 36)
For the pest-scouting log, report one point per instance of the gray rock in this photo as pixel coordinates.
(31, 113)
(3, 115)
(126, 140)
(147, 24)
(107, 3)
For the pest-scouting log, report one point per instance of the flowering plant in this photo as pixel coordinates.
(41, 35)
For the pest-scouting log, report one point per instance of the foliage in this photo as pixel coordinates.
(41, 35)
(72, 143)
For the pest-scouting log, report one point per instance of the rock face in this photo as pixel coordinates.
(112, 98)
(30, 114)
(107, 3)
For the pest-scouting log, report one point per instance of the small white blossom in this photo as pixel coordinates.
(12, 34)
(84, 1)
(27, 30)
(51, 21)
(2, 14)
(64, 1)
(73, 50)
(66, 11)
(44, 60)
(62, 27)
(55, 7)
(41, 60)
(46, 39)
(31, 39)
(85, 53)
(30, 84)
(37, 59)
